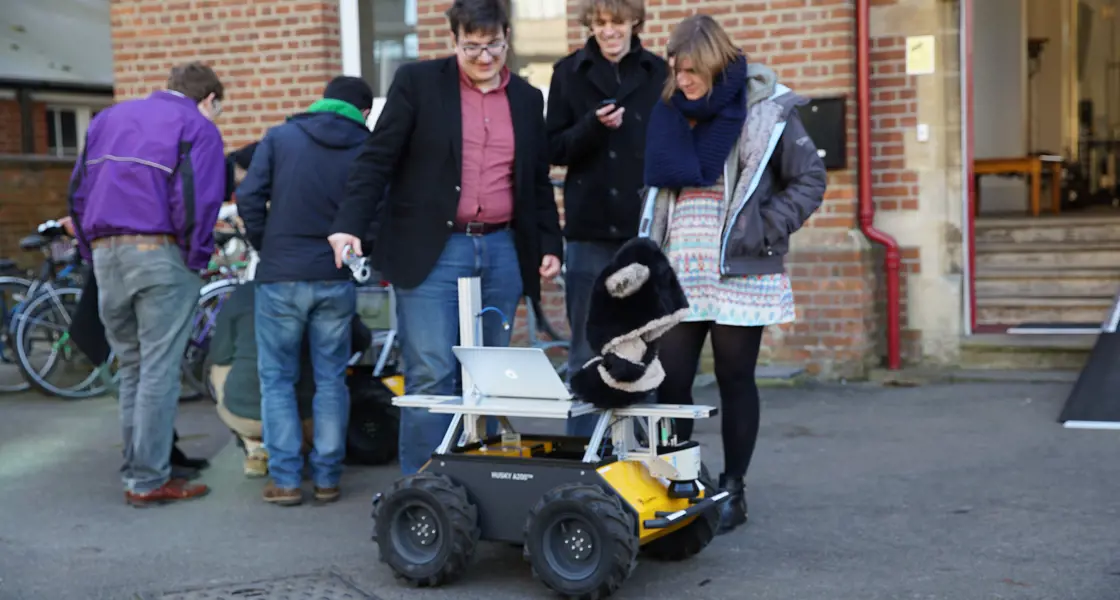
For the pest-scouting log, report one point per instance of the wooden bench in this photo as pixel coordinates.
(1032, 167)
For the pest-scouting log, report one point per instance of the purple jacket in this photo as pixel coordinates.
(153, 165)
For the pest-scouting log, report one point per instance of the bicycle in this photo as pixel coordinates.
(17, 290)
(53, 312)
(225, 273)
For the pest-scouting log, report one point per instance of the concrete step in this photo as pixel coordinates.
(1073, 255)
(1030, 230)
(1026, 352)
(1054, 283)
(1041, 309)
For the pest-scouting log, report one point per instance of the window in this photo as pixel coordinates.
(385, 38)
(66, 129)
(540, 38)
(388, 39)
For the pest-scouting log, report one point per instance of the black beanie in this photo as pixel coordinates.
(353, 90)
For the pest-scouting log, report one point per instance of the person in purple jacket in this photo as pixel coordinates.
(144, 200)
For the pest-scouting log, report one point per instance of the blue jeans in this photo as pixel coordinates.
(585, 261)
(146, 299)
(284, 311)
(428, 322)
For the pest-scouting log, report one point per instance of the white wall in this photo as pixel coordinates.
(999, 97)
(1046, 19)
(1096, 80)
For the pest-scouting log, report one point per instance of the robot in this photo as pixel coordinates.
(583, 509)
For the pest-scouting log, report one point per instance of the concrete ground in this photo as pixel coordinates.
(860, 492)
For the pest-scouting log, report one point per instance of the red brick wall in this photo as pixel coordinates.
(11, 132)
(32, 190)
(274, 58)
(11, 127)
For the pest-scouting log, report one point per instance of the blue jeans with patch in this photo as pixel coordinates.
(428, 323)
(285, 313)
(584, 262)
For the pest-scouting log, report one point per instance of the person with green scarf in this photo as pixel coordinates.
(288, 201)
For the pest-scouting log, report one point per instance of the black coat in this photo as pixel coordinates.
(405, 183)
(602, 190)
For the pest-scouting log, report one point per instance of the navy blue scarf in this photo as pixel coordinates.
(681, 156)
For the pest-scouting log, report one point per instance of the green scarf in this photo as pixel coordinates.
(337, 106)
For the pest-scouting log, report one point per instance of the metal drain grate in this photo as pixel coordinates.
(303, 587)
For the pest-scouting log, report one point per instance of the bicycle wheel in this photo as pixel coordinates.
(42, 334)
(13, 293)
(195, 384)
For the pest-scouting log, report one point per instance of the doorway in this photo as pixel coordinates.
(1043, 101)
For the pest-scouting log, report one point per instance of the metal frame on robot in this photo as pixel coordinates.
(615, 425)
(360, 268)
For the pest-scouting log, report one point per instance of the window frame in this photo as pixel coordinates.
(83, 106)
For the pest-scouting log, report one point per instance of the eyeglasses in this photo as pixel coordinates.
(494, 49)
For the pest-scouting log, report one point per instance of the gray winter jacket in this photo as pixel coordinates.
(774, 181)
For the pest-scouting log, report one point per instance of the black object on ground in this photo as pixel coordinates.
(1096, 395)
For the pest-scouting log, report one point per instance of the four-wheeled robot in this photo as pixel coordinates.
(581, 508)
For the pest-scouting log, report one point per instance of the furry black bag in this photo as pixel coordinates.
(634, 301)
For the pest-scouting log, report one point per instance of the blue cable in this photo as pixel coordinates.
(505, 322)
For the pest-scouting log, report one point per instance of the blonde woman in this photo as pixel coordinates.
(734, 174)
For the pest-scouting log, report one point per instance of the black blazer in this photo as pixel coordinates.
(405, 183)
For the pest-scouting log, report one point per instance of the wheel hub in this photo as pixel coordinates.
(578, 543)
(424, 530)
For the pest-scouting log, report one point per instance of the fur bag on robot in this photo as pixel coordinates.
(634, 301)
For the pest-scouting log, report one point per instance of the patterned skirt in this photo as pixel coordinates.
(695, 234)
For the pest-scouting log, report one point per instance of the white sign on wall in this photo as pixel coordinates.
(920, 55)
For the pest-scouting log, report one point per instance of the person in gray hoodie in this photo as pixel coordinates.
(731, 174)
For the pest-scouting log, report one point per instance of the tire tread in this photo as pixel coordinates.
(621, 528)
(463, 517)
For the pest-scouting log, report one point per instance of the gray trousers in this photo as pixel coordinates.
(146, 299)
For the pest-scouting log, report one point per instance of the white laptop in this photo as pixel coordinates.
(512, 372)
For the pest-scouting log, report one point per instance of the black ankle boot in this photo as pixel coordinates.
(179, 459)
(733, 512)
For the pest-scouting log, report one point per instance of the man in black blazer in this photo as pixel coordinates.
(454, 181)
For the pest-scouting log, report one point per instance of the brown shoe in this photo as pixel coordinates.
(175, 490)
(282, 496)
(327, 494)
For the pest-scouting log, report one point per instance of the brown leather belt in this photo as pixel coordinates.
(114, 240)
(476, 228)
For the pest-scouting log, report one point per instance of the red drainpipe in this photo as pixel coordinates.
(866, 201)
(970, 218)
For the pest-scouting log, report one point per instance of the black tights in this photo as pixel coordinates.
(735, 350)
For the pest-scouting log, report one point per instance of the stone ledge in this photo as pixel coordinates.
(917, 376)
(35, 159)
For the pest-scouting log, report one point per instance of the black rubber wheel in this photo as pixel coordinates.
(581, 542)
(426, 529)
(371, 437)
